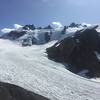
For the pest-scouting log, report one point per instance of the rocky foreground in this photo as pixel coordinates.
(30, 68)
(13, 92)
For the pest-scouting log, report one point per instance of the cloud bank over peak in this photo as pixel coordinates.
(17, 26)
(6, 30)
(56, 25)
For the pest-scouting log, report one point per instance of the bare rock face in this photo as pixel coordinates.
(48, 27)
(13, 35)
(74, 25)
(13, 92)
(29, 27)
(78, 51)
(4, 93)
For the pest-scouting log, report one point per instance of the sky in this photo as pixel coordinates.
(44, 12)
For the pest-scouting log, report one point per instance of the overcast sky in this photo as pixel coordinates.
(43, 12)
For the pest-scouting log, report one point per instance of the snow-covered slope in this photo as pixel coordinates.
(30, 68)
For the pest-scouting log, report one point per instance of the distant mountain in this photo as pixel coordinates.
(28, 35)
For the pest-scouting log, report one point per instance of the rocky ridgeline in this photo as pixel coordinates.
(79, 51)
(29, 34)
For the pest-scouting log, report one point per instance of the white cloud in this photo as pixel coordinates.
(17, 26)
(86, 24)
(56, 25)
(6, 30)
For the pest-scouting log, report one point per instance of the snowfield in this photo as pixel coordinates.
(30, 68)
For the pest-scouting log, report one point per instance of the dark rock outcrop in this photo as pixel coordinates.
(64, 30)
(13, 35)
(74, 25)
(13, 92)
(39, 28)
(47, 36)
(78, 51)
(48, 27)
(27, 27)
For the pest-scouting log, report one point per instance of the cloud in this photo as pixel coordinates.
(56, 25)
(6, 30)
(86, 24)
(17, 26)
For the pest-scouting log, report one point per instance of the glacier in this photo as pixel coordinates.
(30, 68)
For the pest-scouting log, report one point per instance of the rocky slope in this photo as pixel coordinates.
(79, 51)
